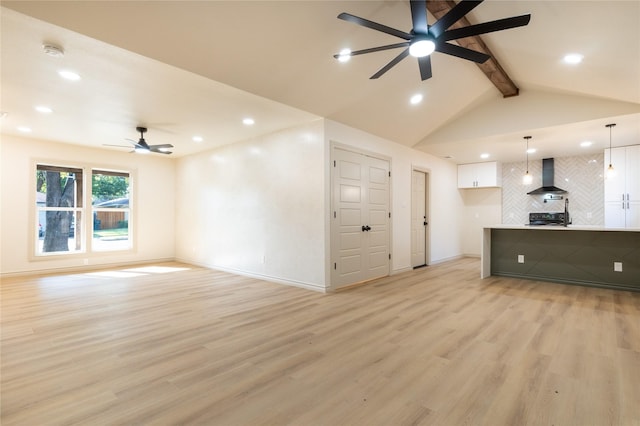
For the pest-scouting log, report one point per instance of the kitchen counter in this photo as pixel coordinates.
(563, 228)
(577, 254)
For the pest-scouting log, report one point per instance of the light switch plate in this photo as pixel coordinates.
(521, 258)
(617, 266)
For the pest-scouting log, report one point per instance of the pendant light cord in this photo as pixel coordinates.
(610, 151)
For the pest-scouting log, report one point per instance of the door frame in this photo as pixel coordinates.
(333, 145)
(427, 210)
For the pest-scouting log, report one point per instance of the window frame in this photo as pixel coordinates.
(128, 211)
(86, 226)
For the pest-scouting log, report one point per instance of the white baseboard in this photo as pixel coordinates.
(293, 283)
(447, 259)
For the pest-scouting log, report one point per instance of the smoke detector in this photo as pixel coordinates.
(53, 50)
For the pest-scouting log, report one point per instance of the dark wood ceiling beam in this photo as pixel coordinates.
(491, 68)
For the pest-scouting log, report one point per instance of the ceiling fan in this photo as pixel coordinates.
(424, 39)
(141, 146)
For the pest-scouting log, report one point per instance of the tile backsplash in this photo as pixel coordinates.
(581, 177)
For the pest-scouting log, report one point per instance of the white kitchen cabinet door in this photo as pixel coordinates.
(622, 191)
(488, 174)
(466, 176)
(614, 214)
(632, 165)
(479, 175)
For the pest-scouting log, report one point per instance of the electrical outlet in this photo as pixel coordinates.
(521, 258)
(617, 266)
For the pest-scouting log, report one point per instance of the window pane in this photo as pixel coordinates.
(110, 201)
(109, 190)
(58, 206)
(57, 231)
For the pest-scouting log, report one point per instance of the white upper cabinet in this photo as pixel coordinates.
(480, 175)
(622, 191)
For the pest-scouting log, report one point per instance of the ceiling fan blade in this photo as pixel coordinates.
(454, 15)
(160, 150)
(376, 49)
(419, 16)
(391, 64)
(462, 52)
(374, 25)
(486, 27)
(425, 67)
(119, 146)
(164, 145)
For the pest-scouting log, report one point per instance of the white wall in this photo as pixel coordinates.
(445, 200)
(259, 207)
(256, 207)
(482, 207)
(153, 208)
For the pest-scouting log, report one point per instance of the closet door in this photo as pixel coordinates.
(360, 221)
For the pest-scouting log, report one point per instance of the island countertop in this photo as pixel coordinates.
(576, 254)
(562, 228)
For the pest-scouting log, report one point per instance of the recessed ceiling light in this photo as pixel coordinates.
(531, 150)
(197, 139)
(69, 75)
(586, 144)
(44, 109)
(416, 99)
(53, 50)
(248, 121)
(344, 55)
(24, 129)
(485, 155)
(573, 58)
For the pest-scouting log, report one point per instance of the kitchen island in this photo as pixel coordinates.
(585, 255)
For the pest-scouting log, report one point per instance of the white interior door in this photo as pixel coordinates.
(360, 224)
(419, 220)
(376, 214)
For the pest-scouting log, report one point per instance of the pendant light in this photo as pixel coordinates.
(610, 170)
(527, 178)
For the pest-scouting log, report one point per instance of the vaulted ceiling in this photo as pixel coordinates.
(186, 68)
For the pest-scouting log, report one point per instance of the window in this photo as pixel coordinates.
(59, 209)
(61, 197)
(110, 205)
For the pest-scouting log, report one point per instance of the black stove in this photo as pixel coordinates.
(542, 219)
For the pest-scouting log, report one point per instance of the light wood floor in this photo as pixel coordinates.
(436, 346)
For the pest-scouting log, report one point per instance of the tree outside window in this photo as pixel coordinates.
(59, 205)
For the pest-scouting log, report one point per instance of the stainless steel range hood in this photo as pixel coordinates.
(547, 180)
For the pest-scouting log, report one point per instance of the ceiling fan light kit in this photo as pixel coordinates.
(422, 47)
(424, 39)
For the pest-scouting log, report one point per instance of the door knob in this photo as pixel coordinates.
(364, 228)
(368, 228)
(425, 223)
